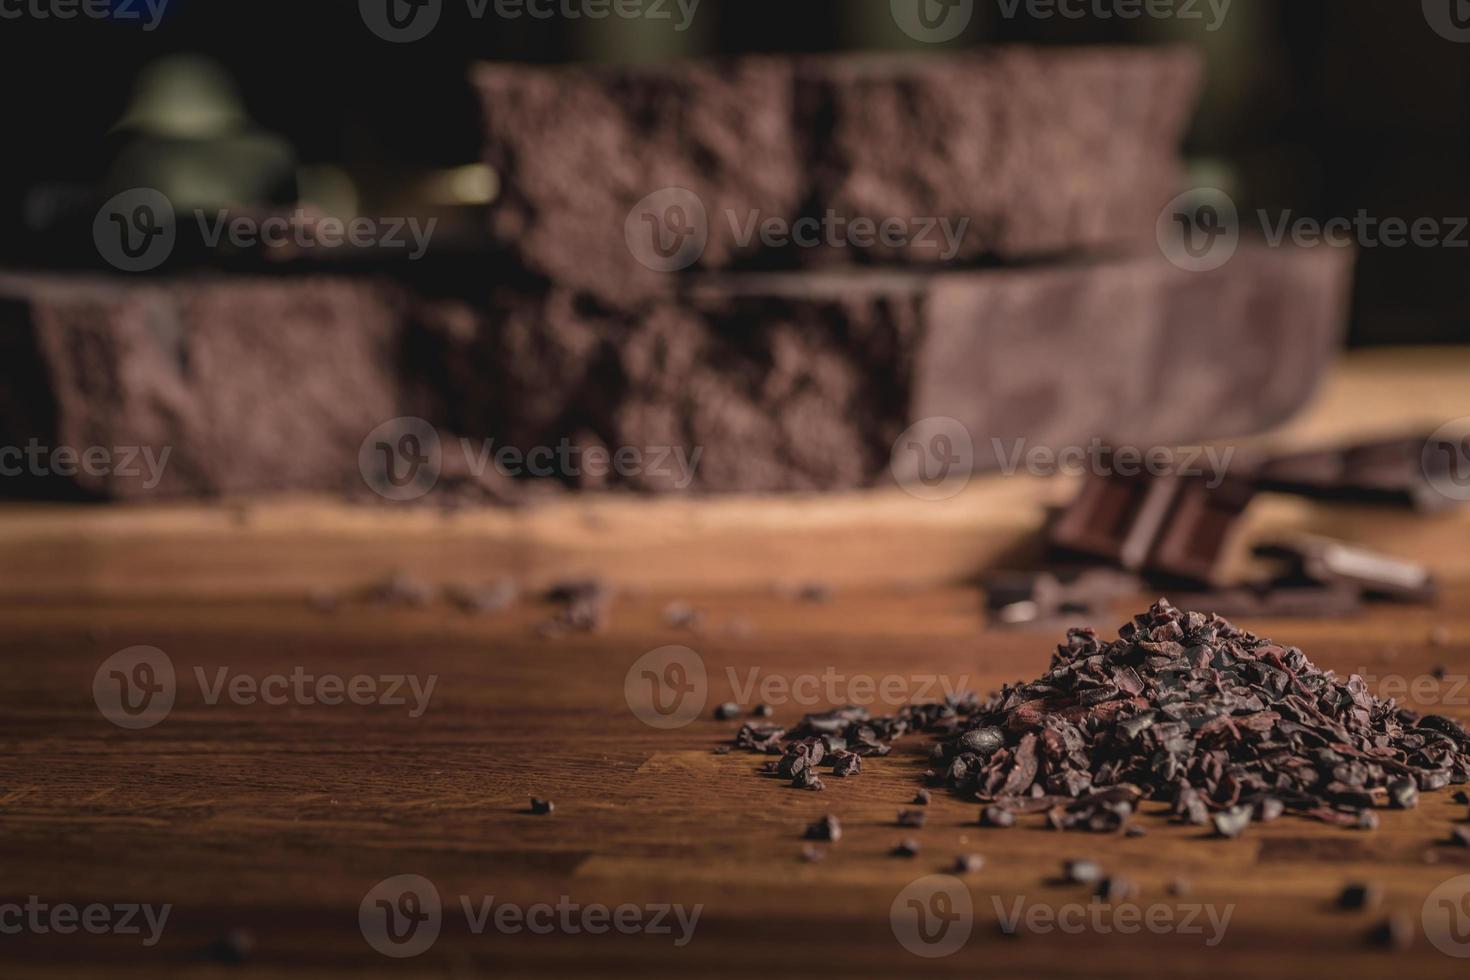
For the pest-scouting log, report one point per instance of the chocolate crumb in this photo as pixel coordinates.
(829, 828)
(968, 863)
(1360, 896)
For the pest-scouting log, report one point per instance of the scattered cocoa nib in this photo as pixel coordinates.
(812, 854)
(1460, 836)
(968, 863)
(539, 805)
(921, 798)
(1134, 830)
(846, 764)
(1439, 637)
(1082, 871)
(584, 607)
(1115, 888)
(1461, 797)
(1395, 932)
(236, 946)
(1179, 887)
(1360, 896)
(401, 589)
(681, 615)
(722, 750)
(483, 600)
(908, 847)
(996, 816)
(762, 711)
(726, 711)
(912, 818)
(1188, 709)
(1224, 726)
(828, 828)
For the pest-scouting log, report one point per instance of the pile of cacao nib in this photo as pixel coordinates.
(1185, 708)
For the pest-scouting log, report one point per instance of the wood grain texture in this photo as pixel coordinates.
(280, 819)
(283, 546)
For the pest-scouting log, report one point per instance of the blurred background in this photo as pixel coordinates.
(1325, 107)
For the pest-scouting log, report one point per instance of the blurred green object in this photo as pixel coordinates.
(186, 133)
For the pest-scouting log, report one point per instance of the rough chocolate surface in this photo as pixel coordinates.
(1035, 151)
(804, 381)
(250, 385)
(1044, 151)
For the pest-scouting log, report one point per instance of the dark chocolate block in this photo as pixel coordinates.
(247, 384)
(805, 381)
(1044, 151)
(1011, 153)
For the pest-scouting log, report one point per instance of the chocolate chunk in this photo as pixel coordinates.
(908, 847)
(1082, 872)
(828, 828)
(1390, 471)
(1232, 822)
(1115, 888)
(1360, 896)
(1334, 562)
(968, 864)
(995, 816)
(1395, 932)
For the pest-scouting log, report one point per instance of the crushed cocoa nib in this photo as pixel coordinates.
(968, 863)
(1183, 708)
(584, 606)
(1188, 709)
(829, 828)
(912, 818)
(908, 847)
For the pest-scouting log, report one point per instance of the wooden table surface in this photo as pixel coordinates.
(280, 819)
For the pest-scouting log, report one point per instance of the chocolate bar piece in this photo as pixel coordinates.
(806, 381)
(1045, 151)
(1376, 575)
(613, 176)
(196, 387)
(1172, 526)
(1394, 471)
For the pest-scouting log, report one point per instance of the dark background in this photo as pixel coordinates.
(1321, 106)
